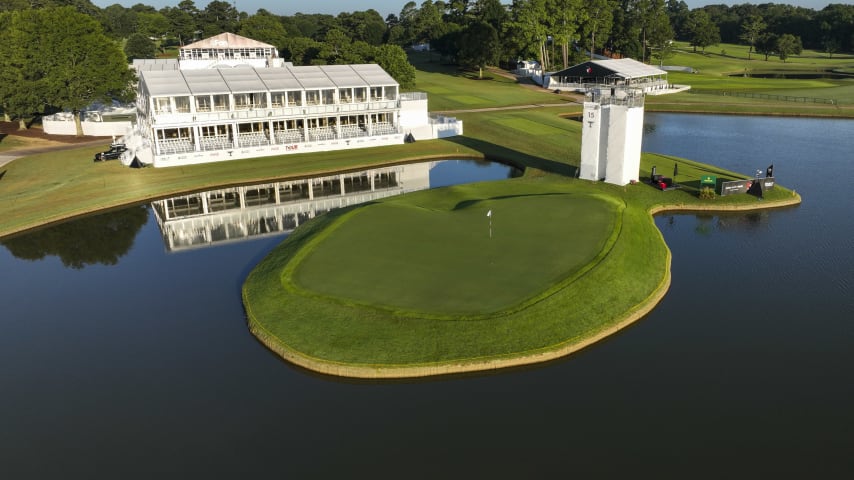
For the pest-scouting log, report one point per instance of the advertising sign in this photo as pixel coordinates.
(708, 181)
(742, 186)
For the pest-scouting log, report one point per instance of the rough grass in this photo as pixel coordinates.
(451, 88)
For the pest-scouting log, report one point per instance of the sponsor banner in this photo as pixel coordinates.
(742, 186)
(738, 186)
(709, 181)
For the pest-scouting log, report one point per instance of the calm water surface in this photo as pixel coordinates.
(141, 365)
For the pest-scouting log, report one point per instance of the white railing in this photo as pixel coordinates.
(273, 113)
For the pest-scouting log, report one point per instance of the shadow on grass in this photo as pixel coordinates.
(2, 174)
(468, 203)
(434, 63)
(514, 157)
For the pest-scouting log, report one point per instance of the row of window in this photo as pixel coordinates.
(231, 53)
(295, 98)
(347, 121)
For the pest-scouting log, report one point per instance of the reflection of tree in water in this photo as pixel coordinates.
(101, 238)
(649, 128)
(704, 225)
(743, 222)
(484, 163)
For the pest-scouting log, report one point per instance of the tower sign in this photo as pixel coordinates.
(612, 134)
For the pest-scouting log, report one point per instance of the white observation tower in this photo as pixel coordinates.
(611, 135)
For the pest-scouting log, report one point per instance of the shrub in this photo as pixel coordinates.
(707, 193)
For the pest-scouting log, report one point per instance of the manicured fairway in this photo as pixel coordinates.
(440, 258)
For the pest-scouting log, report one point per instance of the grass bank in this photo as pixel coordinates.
(564, 303)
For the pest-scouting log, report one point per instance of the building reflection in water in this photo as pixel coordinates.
(239, 213)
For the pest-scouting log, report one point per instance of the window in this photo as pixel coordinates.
(162, 105)
(279, 99)
(220, 103)
(327, 96)
(203, 104)
(361, 94)
(182, 104)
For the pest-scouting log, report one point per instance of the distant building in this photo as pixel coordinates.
(227, 50)
(230, 97)
(624, 72)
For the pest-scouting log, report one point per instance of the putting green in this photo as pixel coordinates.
(413, 285)
(458, 260)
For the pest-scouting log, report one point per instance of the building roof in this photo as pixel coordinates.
(155, 64)
(227, 41)
(623, 67)
(174, 83)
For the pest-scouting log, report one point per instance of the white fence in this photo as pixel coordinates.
(93, 125)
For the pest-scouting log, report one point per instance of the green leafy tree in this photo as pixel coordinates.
(334, 47)
(153, 24)
(80, 64)
(118, 21)
(264, 27)
(447, 44)
(182, 24)
(787, 45)
(836, 28)
(139, 46)
(367, 26)
(218, 17)
(393, 60)
(597, 18)
(751, 29)
(313, 26)
(12, 5)
(530, 30)
(301, 50)
(678, 11)
(98, 239)
(626, 35)
(479, 46)
(491, 12)
(659, 38)
(562, 18)
(22, 72)
(767, 44)
(702, 32)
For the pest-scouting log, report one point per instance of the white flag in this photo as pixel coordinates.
(489, 213)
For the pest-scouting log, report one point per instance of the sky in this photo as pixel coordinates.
(385, 7)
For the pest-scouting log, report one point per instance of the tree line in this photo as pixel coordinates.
(470, 33)
(476, 33)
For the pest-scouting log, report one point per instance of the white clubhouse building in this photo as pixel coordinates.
(229, 97)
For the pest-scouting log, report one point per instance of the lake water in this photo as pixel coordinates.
(139, 363)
